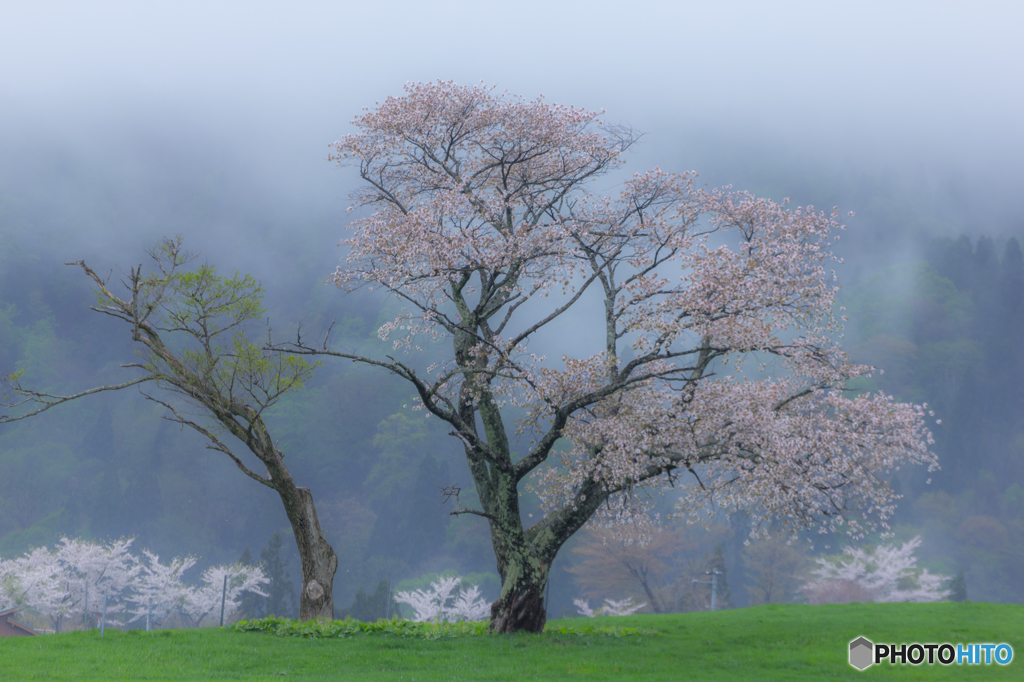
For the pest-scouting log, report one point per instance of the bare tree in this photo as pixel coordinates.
(217, 371)
(657, 571)
(775, 570)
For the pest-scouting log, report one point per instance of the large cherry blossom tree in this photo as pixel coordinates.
(703, 319)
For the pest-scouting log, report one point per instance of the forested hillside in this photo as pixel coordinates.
(947, 330)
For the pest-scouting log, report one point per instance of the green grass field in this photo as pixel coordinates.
(762, 643)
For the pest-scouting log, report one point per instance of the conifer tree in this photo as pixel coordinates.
(370, 608)
(281, 593)
(253, 605)
(958, 587)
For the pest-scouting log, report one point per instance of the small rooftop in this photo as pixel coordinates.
(11, 628)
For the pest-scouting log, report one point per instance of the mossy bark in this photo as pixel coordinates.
(318, 560)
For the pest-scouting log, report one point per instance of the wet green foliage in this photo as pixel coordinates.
(285, 627)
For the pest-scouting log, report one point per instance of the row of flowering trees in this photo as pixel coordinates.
(78, 579)
(778, 572)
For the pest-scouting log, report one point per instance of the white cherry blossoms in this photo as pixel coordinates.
(442, 603)
(73, 580)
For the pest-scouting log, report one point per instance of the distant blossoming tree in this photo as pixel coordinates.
(887, 574)
(775, 570)
(27, 579)
(482, 222)
(222, 586)
(441, 603)
(161, 587)
(623, 607)
(70, 580)
(658, 570)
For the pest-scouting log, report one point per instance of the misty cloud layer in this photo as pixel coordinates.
(242, 98)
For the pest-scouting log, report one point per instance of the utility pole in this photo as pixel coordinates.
(103, 623)
(223, 598)
(713, 582)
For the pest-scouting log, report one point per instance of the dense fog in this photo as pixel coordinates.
(126, 122)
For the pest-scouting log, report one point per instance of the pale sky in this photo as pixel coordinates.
(146, 92)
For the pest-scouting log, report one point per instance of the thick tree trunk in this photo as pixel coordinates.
(521, 604)
(525, 556)
(521, 608)
(319, 562)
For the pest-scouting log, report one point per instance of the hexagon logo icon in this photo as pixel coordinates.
(861, 653)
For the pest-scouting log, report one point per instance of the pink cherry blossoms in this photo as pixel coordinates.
(713, 312)
(700, 323)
